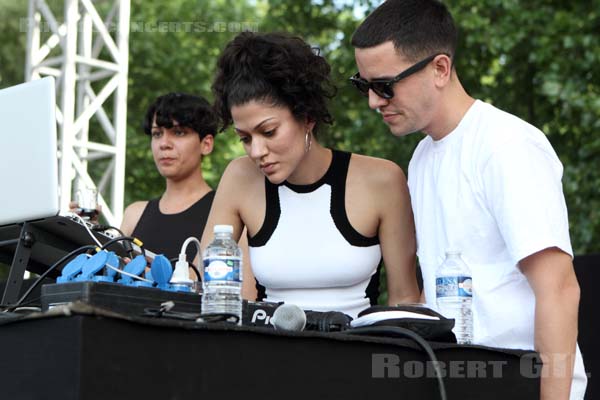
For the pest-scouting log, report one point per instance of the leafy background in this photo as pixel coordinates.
(538, 59)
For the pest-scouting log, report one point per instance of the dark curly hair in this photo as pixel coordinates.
(277, 68)
(188, 110)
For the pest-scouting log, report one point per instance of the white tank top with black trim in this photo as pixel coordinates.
(307, 253)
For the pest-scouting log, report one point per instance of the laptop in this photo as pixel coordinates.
(28, 163)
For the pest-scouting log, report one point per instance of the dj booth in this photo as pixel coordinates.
(81, 352)
(97, 354)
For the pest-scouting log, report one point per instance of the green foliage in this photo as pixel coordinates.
(14, 39)
(173, 47)
(538, 59)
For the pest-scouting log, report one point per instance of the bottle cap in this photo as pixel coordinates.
(223, 229)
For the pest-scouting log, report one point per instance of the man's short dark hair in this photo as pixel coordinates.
(418, 28)
(188, 110)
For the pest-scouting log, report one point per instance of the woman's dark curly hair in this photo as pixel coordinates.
(188, 110)
(278, 68)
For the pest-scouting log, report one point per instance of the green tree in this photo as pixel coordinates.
(174, 47)
(541, 61)
(14, 39)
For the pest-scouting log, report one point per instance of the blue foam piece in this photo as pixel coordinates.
(72, 269)
(92, 266)
(162, 271)
(95, 264)
(147, 275)
(142, 284)
(134, 267)
(180, 288)
(112, 260)
(102, 278)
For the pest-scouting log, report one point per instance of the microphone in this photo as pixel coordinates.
(289, 317)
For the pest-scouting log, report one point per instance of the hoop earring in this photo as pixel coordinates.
(307, 141)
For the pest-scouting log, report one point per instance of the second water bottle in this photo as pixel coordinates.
(454, 295)
(222, 261)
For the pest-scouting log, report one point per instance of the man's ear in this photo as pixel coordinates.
(207, 143)
(443, 69)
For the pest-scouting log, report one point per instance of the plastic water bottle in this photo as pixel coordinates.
(454, 295)
(222, 261)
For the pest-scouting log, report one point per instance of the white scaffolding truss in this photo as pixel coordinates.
(85, 52)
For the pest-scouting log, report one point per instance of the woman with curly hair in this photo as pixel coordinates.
(318, 220)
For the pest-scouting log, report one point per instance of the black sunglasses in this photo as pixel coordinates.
(384, 88)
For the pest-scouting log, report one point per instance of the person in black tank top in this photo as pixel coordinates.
(182, 129)
(164, 233)
(318, 220)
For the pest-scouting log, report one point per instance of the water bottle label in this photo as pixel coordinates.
(222, 269)
(447, 286)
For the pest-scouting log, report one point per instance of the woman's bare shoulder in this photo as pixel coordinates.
(242, 169)
(132, 215)
(376, 171)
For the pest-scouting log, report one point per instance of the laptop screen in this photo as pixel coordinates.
(28, 161)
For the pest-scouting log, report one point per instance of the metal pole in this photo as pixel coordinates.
(79, 71)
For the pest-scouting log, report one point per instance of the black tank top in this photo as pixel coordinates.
(165, 233)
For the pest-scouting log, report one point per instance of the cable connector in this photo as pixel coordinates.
(181, 274)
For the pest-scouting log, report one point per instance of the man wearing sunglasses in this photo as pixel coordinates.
(483, 182)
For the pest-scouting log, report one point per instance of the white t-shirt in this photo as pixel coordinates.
(492, 190)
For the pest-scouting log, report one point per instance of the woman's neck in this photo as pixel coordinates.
(182, 194)
(313, 166)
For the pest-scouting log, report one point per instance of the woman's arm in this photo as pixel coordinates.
(249, 291)
(225, 206)
(397, 235)
(233, 189)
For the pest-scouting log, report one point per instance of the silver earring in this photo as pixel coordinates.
(307, 141)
